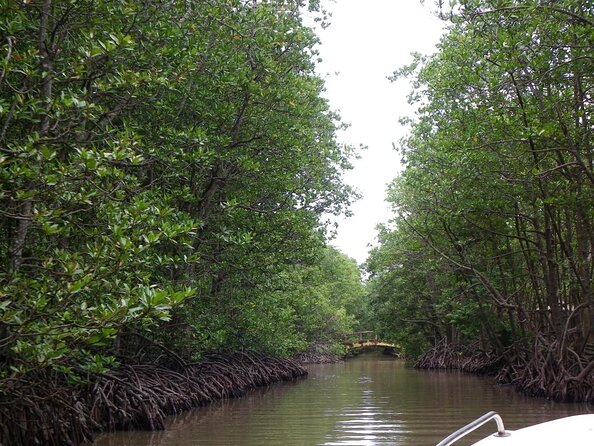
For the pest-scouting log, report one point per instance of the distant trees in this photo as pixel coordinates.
(164, 167)
(492, 235)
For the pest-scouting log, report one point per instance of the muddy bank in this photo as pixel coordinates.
(45, 409)
(541, 371)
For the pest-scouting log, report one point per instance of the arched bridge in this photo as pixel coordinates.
(366, 340)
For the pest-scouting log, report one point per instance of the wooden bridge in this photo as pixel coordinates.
(366, 340)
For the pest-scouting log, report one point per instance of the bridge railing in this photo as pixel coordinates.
(362, 342)
(359, 336)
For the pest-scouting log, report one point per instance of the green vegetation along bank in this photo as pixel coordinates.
(166, 172)
(134, 397)
(492, 240)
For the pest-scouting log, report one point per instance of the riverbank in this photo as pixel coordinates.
(369, 396)
(46, 409)
(541, 372)
(319, 354)
(469, 360)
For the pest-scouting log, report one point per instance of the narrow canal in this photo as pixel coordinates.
(369, 400)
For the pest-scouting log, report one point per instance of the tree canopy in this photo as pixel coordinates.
(166, 169)
(491, 242)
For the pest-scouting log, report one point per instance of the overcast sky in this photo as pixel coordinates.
(367, 41)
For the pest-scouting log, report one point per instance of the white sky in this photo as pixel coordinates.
(366, 41)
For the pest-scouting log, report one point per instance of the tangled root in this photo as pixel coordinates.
(44, 409)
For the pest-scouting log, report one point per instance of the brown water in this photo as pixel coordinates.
(369, 400)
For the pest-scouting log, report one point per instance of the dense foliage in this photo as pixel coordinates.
(165, 171)
(493, 237)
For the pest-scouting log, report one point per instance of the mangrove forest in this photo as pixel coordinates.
(170, 175)
(167, 171)
(487, 264)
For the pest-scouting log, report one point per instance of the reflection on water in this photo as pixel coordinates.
(370, 400)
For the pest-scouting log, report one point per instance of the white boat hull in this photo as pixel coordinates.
(571, 431)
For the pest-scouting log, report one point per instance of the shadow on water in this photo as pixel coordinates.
(368, 400)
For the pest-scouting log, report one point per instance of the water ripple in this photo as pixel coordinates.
(362, 402)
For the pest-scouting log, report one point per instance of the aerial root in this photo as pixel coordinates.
(319, 354)
(44, 409)
(471, 360)
(544, 371)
